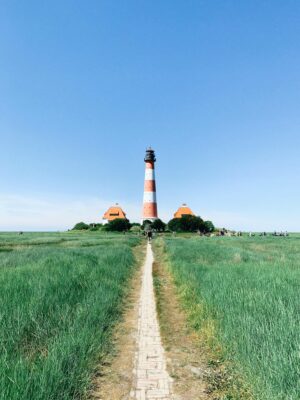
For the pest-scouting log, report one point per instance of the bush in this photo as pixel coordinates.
(147, 224)
(93, 227)
(135, 228)
(208, 227)
(118, 225)
(80, 226)
(174, 225)
(158, 225)
(187, 223)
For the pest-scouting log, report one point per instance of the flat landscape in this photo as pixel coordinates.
(149, 205)
(242, 295)
(62, 295)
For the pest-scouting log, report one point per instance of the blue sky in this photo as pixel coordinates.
(212, 86)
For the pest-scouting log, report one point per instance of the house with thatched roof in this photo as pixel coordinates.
(112, 213)
(183, 210)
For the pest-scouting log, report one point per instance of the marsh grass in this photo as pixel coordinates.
(58, 306)
(244, 292)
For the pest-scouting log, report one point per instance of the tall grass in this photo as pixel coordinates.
(58, 304)
(250, 288)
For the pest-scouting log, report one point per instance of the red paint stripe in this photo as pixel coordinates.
(150, 210)
(150, 164)
(149, 186)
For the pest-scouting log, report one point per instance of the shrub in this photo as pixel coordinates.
(135, 228)
(208, 227)
(80, 226)
(158, 225)
(147, 224)
(118, 225)
(93, 227)
(174, 225)
(187, 223)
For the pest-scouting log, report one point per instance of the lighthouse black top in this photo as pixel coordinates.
(150, 155)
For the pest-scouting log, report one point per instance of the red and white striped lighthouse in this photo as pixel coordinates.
(150, 205)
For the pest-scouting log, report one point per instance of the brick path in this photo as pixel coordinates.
(152, 380)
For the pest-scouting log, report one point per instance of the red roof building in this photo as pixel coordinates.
(183, 210)
(114, 212)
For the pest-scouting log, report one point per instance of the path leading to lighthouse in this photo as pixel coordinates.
(136, 369)
(151, 379)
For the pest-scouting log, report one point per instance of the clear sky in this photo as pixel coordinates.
(213, 86)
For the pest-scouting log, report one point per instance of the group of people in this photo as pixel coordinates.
(223, 232)
(273, 234)
(280, 233)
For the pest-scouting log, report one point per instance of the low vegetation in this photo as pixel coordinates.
(243, 294)
(61, 294)
(118, 225)
(190, 223)
(157, 225)
(187, 223)
(81, 226)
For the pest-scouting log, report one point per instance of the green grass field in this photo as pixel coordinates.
(60, 296)
(248, 290)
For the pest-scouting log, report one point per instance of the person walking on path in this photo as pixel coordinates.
(149, 235)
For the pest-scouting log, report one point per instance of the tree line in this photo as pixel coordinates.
(187, 223)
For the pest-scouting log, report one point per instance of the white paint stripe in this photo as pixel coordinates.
(149, 174)
(149, 197)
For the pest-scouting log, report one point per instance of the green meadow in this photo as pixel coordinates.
(61, 295)
(246, 291)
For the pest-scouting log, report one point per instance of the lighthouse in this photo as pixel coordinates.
(150, 205)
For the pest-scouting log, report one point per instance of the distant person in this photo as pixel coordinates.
(149, 236)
